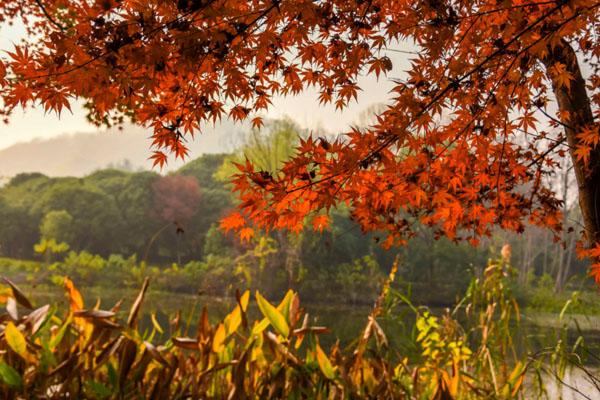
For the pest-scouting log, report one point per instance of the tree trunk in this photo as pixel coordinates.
(527, 259)
(575, 101)
(560, 274)
(545, 253)
(290, 245)
(292, 259)
(570, 250)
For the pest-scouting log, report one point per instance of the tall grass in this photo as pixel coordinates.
(88, 352)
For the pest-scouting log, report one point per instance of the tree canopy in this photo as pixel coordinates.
(496, 93)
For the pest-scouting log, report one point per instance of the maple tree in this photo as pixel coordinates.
(176, 198)
(495, 95)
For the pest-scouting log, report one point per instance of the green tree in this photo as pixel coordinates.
(95, 215)
(135, 201)
(58, 225)
(268, 149)
(214, 205)
(24, 190)
(359, 280)
(216, 200)
(18, 231)
(203, 169)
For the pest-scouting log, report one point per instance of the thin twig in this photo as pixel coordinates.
(49, 17)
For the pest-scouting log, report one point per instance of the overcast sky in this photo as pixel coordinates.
(29, 124)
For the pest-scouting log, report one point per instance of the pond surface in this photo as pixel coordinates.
(535, 331)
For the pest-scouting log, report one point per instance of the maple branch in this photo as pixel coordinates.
(438, 96)
(501, 157)
(542, 156)
(485, 13)
(459, 80)
(262, 14)
(535, 161)
(48, 16)
(105, 53)
(563, 124)
(543, 137)
(487, 100)
(443, 92)
(515, 7)
(401, 51)
(457, 45)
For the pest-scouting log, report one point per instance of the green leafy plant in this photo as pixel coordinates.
(92, 352)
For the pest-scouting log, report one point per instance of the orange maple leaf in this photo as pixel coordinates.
(320, 222)
(233, 221)
(159, 158)
(246, 234)
(595, 272)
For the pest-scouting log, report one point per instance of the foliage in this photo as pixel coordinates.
(94, 353)
(542, 297)
(176, 198)
(204, 169)
(18, 231)
(339, 275)
(310, 262)
(50, 246)
(358, 280)
(267, 148)
(56, 224)
(111, 212)
(470, 124)
(94, 214)
(213, 262)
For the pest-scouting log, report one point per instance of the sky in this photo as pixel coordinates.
(26, 125)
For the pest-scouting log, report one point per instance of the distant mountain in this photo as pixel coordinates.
(79, 154)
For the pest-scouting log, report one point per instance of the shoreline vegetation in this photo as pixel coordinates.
(96, 273)
(161, 301)
(96, 351)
